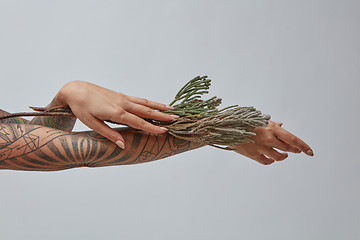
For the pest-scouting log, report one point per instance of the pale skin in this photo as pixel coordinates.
(47, 143)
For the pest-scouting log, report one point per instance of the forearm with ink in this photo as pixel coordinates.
(64, 123)
(37, 148)
(12, 120)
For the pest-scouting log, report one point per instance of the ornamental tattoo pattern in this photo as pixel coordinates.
(64, 123)
(37, 148)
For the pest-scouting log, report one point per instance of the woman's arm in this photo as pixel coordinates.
(38, 148)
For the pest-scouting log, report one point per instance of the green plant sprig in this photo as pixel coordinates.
(201, 120)
(187, 101)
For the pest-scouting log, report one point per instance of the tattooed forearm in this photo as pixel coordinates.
(12, 120)
(65, 123)
(144, 147)
(37, 148)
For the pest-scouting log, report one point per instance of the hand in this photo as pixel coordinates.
(93, 105)
(268, 138)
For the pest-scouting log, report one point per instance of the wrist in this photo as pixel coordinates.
(70, 92)
(59, 100)
(61, 97)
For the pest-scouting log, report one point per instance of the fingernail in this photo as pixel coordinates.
(120, 144)
(174, 116)
(310, 153)
(169, 107)
(164, 129)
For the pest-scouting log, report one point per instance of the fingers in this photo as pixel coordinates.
(146, 112)
(251, 151)
(293, 141)
(274, 155)
(103, 129)
(263, 160)
(267, 156)
(139, 123)
(283, 146)
(262, 149)
(151, 104)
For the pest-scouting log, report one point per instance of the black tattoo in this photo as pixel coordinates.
(37, 148)
(12, 120)
(64, 123)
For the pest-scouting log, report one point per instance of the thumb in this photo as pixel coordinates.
(106, 131)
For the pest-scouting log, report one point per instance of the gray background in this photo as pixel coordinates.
(297, 60)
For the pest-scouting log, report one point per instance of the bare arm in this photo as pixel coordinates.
(93, 105)
(37, 148)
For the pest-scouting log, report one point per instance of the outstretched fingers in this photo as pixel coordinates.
(103, 129)
(283, 146)
(263, 159)
(274, 155)
(147, 112)
(150, 104)
(139, 123)
(293, 141)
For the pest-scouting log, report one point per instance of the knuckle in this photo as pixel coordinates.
(304, 147)
(271, 130)
(118, 112)
(268, 140)
(122, 102)
(169, 117)
(141, 123)
(287, 148)
(296, 150)
(149, 111)
(146, 102)
(293, 139)
(112, 136)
